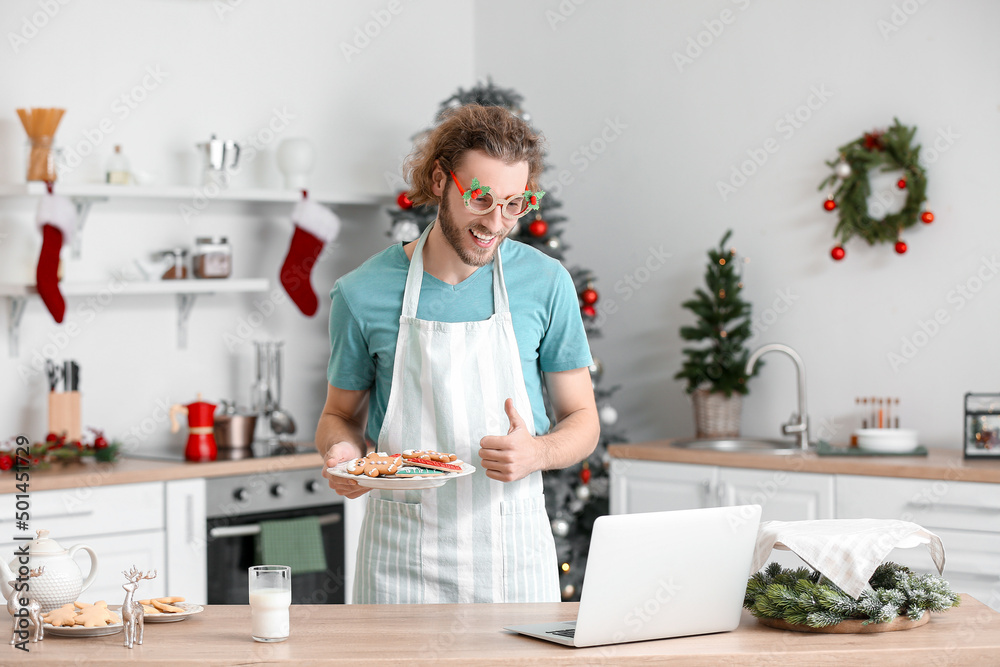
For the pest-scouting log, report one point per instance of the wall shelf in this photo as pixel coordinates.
(186, 291)
(193, 198)
(103, 192)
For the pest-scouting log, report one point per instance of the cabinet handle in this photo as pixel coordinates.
(189, 517)
(720, 494)
(254, 528)
(955, 507)
(64, 515)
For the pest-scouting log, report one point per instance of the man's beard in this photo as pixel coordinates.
(457, 237)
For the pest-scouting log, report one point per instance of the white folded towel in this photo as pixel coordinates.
(845, 551)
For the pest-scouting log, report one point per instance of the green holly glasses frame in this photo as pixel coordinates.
(480, 200)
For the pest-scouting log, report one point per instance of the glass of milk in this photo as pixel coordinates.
(270, 598)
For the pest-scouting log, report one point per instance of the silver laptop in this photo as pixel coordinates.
(660, 574)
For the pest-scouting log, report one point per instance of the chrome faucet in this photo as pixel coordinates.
(798, 424)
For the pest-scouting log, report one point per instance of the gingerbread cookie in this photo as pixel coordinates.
(96, 615)
(428, 454)
(167, 608)
(375, 464)
(63, 616)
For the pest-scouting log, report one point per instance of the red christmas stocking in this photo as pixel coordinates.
(315, 226)
(56, 218)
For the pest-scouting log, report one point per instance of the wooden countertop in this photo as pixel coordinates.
(129, 470)
(943, 464)
(473, 635)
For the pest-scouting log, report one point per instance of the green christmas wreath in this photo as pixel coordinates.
(890, 150)
(800, 596)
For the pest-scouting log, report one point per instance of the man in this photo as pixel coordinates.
(448, 339)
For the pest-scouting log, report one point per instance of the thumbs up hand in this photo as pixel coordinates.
(508, 458)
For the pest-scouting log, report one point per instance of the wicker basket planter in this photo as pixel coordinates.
(716, 415)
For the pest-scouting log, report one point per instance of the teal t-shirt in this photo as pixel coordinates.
(368, 301)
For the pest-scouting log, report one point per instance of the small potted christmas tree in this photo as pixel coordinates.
(715, 369)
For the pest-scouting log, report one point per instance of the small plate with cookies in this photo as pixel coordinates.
(168, 609)
(413, 469)
(83, 619)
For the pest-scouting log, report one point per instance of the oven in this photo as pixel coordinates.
(235, 508)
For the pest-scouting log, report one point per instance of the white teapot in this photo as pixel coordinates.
(60, 583)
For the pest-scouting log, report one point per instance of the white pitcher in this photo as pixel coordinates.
(60, 583)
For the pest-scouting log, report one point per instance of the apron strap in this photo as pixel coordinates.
(415, 276)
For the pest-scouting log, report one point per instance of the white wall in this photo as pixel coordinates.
(223, 72)
(681, 131)
(652, 187)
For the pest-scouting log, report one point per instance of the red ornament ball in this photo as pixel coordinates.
(538, 228)
(838, 253)
(404, 202)
(589, 296)
(589, 311)
(100, 442)
(585, 475)
(927, 217)
(829, 204)
(900, 247)
(901, 184)
(6, 462)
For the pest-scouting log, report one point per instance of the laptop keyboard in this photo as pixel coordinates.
(568, 632)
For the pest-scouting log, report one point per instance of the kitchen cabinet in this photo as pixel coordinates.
(652, 486)
(965, 515)
(186, 566)
(151, 525)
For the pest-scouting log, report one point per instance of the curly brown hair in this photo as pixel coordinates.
(491, 129)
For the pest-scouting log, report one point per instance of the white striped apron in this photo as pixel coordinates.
(474, 539)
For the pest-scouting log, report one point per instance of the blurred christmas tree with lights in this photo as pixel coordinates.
(574, 496)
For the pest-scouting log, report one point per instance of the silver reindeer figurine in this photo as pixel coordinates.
(132, 613)
(30, 611)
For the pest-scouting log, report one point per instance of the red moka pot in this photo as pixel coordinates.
(201, 439)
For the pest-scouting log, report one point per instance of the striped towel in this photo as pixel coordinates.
(845, 551)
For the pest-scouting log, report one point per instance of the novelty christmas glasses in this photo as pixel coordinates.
(479, 199)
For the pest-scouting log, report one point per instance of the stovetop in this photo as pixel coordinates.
(259, 450)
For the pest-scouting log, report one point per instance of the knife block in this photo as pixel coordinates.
(64, 414)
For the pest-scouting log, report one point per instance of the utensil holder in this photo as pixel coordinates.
(41, 160)
(266, 391)
(64, 414)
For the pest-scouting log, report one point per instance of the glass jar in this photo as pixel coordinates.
(213, 257)
(176, 264)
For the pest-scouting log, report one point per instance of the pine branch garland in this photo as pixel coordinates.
(798, 597)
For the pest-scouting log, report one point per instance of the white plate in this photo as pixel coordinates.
(887, 440)
(165, 617)
(81, 631)
(401, 483)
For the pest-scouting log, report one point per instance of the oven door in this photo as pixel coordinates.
(232, 545)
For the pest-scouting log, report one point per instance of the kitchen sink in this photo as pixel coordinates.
(747, 445)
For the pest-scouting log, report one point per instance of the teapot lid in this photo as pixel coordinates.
(43, 544)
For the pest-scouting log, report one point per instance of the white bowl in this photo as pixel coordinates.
(889, 440)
